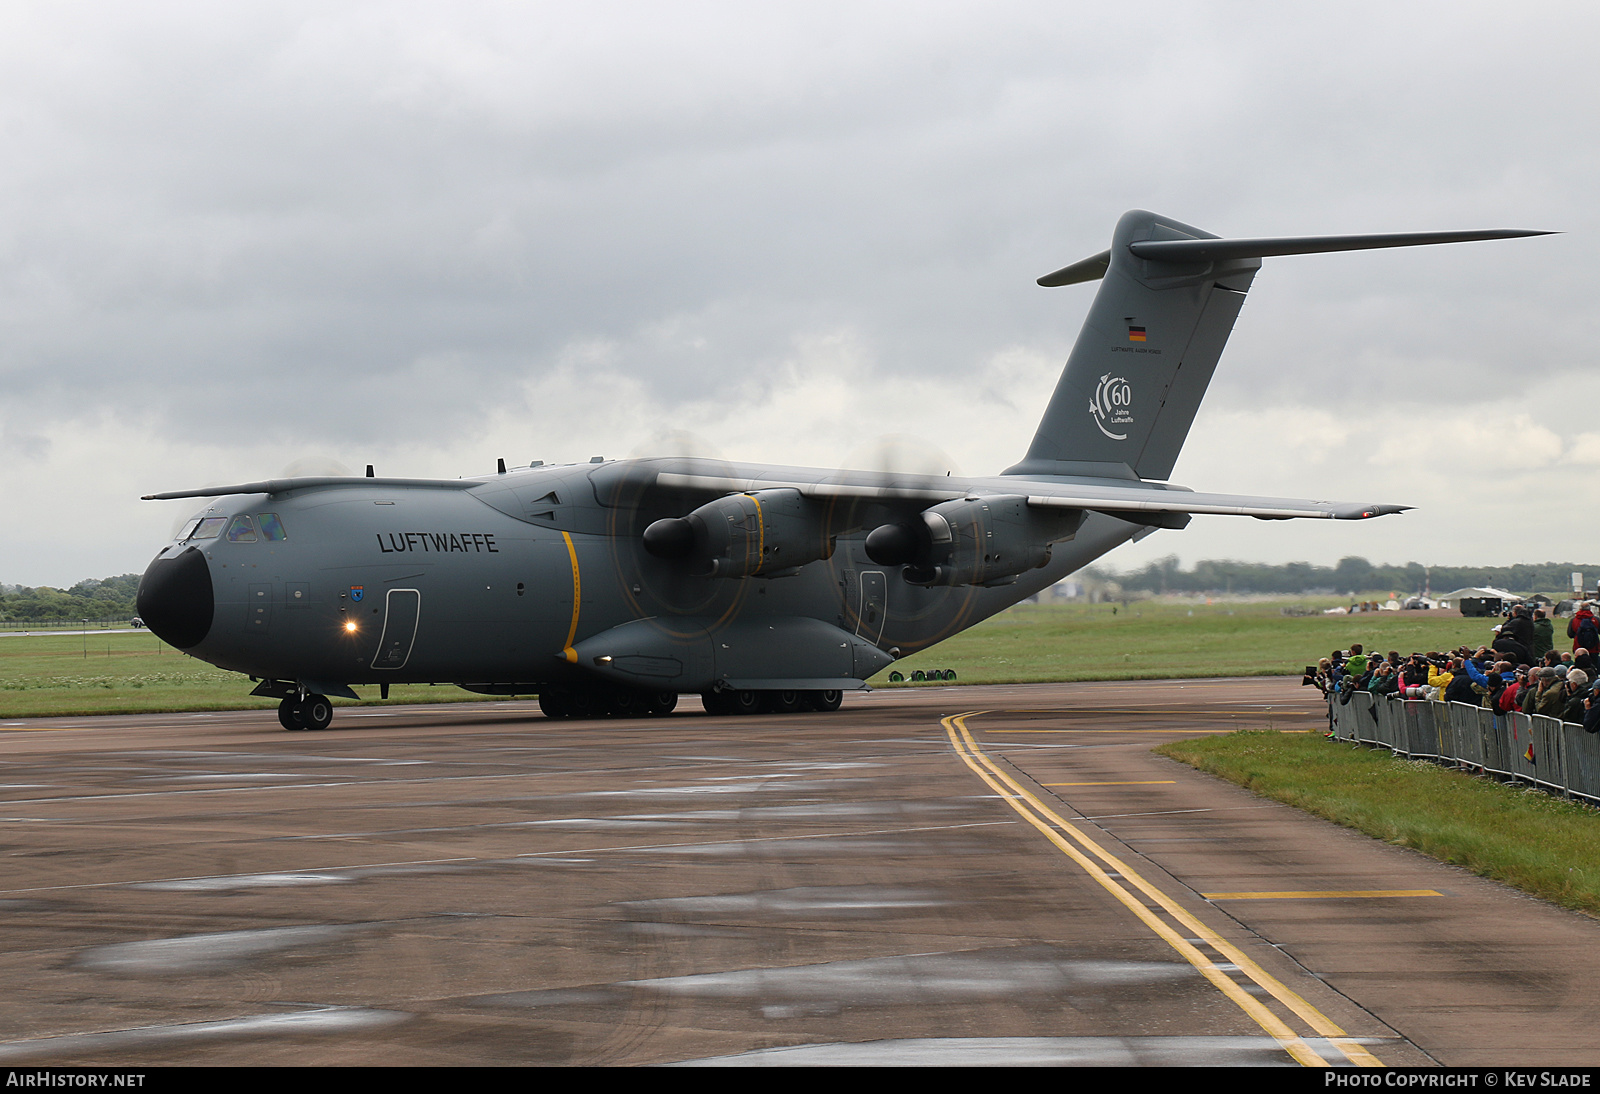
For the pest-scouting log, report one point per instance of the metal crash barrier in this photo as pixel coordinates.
(1545, 752)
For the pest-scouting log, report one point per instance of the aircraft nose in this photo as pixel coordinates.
(175, 599)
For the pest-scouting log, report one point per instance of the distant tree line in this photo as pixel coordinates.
(106, 598)
(1351, 575)
(113, 597)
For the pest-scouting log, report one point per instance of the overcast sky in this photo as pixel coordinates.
(233, 236)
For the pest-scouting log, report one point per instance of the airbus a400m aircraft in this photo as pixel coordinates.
(611, 587)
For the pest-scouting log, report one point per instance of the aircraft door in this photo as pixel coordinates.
(871, 610)
(402, 609)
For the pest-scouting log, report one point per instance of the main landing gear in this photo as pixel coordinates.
(312, 712)
(769, 702)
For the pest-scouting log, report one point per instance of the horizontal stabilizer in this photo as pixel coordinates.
(1223, 250)
(1094, 267)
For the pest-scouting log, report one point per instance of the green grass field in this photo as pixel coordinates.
(120, 673)
(1166, 639)
(106, 673)
(1523, 837)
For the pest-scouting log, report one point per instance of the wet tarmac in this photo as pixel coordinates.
(936, 876)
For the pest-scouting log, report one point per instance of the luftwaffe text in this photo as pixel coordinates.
(439, 543)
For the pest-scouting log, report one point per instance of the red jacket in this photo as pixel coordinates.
(1572, 630)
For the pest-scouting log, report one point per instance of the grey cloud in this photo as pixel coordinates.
(369, 222)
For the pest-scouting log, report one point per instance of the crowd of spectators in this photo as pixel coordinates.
(1520, 670)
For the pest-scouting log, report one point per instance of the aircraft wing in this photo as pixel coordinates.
(279, 486)
(1129, 501)
(1119, 502)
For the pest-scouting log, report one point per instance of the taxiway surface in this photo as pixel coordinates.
(939, 875)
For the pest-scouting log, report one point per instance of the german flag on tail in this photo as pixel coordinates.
(1135, 334)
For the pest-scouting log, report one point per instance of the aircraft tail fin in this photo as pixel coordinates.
(1167, 302)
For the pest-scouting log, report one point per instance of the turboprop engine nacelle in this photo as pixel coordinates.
(973, 541)
(765, 533)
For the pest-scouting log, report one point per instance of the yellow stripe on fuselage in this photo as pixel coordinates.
(577, 598)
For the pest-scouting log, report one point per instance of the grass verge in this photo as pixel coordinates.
(121, 672)
(1169, 639)
(1543, 845)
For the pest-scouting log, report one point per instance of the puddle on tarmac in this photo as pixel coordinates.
(677, 930)
(877, 846)
(208, 952)
(291, 1024)
(924, 978)
(241, 881)
(809, 902)
(1020, 1052)
(1032, 972)
(812, 810)
(287, 878)
(763, 786)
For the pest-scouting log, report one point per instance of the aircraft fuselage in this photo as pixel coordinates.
(390, 584)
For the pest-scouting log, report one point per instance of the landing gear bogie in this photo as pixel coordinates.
(824, 701)
(783, 702)
(731, 701)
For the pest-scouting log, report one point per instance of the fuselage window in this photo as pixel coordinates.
(271, 527)
(242, 530)
(210, 528)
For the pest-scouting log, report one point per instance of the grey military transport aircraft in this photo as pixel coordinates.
(611, 587)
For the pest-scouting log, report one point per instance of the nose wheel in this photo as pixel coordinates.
(312, 712)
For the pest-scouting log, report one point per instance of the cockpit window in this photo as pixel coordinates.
(271, 527)
(188, 529)
(210, 528)
(242, 530)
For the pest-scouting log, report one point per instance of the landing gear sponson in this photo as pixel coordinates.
(311, 711)
(622, 702)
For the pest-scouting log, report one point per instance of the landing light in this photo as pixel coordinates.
(350, 626)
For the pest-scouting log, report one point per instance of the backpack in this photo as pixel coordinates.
(1588, 635)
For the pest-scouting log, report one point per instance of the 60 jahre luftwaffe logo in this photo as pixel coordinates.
(1112, 405)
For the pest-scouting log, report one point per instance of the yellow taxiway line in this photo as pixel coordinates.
(1078, 847)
